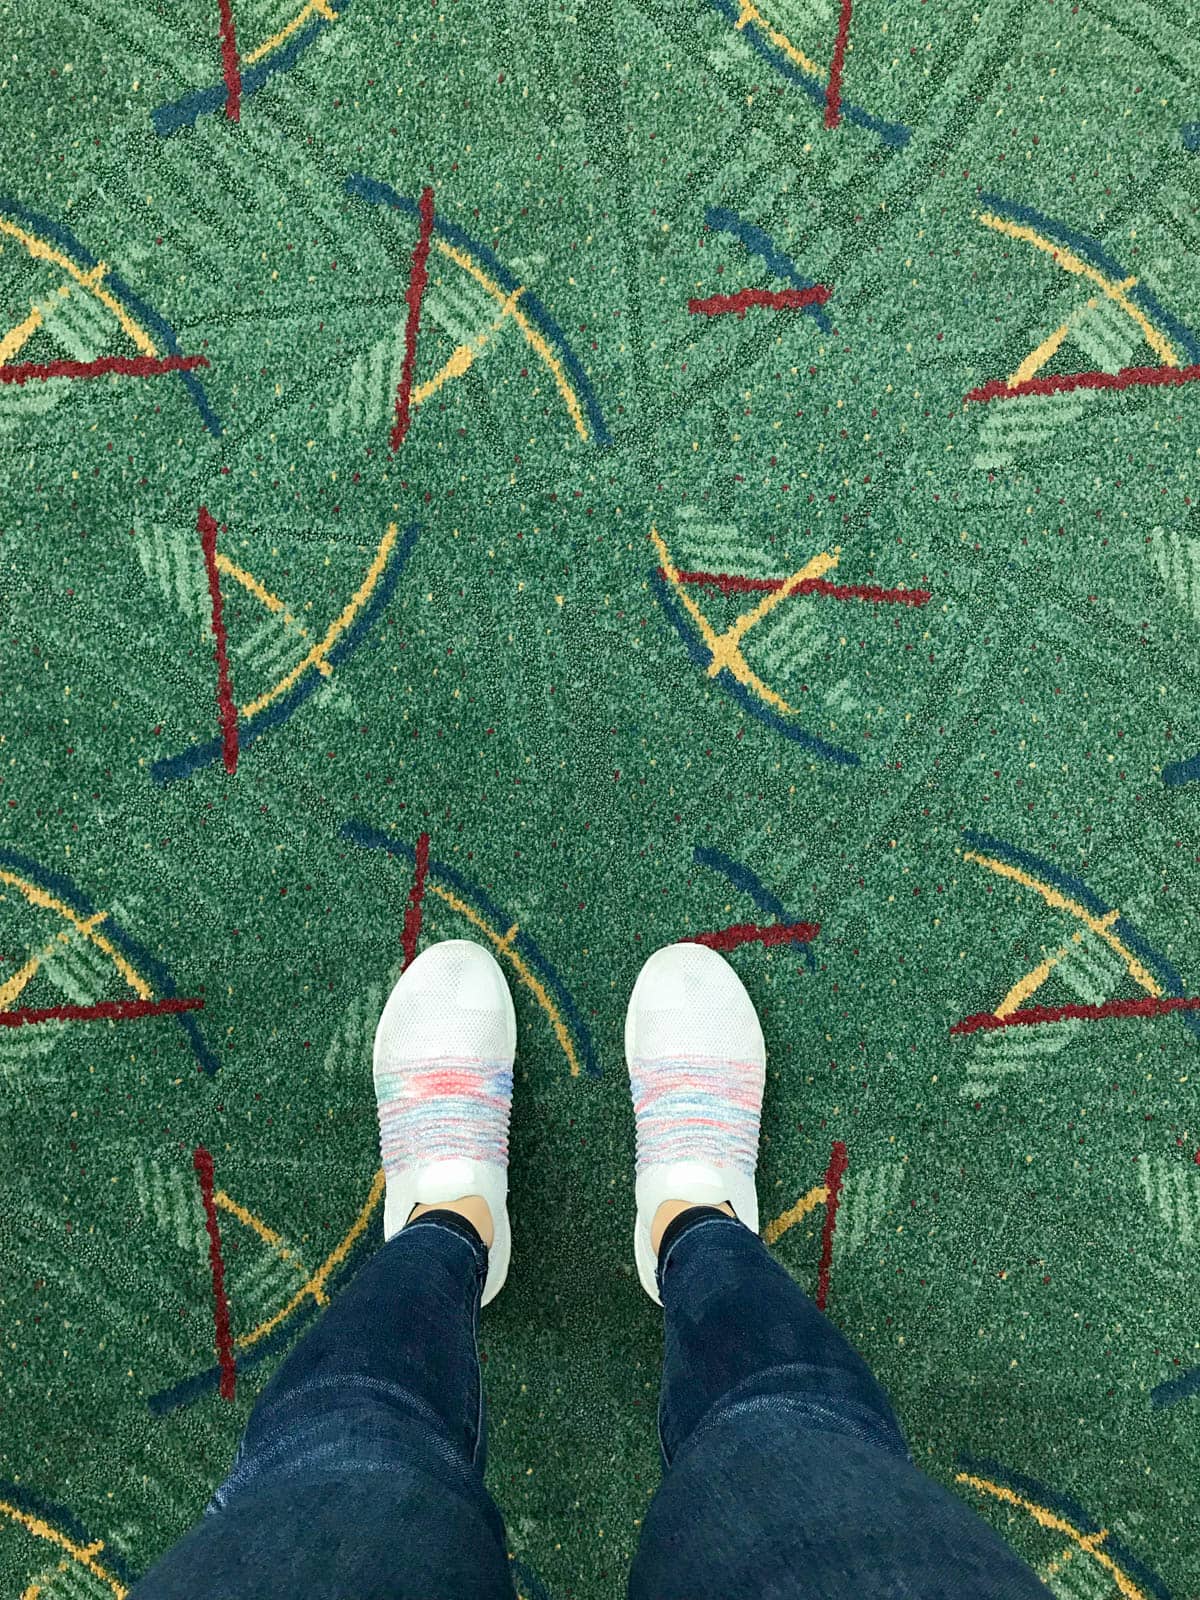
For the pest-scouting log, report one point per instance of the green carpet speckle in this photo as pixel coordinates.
(661, 621)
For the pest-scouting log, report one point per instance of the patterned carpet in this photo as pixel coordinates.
(583, 478)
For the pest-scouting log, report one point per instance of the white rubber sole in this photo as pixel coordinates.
(695, 1181)
(441, 1181)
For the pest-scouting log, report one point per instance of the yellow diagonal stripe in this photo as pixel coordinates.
(316, 1284)
(19, 336)
(266, 1233)
(534, 338)
(1061, 902)
(10, 990)
(272, 602)
(314, 8)
(788, 1219)
(749, 12)
(1037, 359)
(1070, 262)
(47, 902)
(724, 648)
(85, 1555)
(316, 656)
(1045, 1518)
(460, 360)
(1026, 987)
(90, 280)
(733, 635)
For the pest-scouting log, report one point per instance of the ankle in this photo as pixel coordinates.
(473, 1208)
(669, 1210)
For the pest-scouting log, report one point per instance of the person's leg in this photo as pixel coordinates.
(787, 1476)
(361, 1469)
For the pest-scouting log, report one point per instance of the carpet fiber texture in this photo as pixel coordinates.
(580, 478)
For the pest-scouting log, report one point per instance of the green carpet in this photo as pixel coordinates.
(868, 602)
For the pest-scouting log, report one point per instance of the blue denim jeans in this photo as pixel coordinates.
(360, 1475)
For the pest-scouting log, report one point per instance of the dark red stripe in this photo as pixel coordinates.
(719, 305)
(203, 1164)
(734, 583)
(834, 1173)
(1147, 1006)
(1064, 382)
(833, 89)
(230, 65)
(122, 366)
(417, 280)
(416, 902)
(207, 529)
(101, 1011)
(757, 933)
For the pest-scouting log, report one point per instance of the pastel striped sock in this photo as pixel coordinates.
(697, 1108)
(443, 1108)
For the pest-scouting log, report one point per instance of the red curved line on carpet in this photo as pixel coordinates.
(719, 305)
(735, 583)
(416, 902)
(834, 1173)
(203, 1163)
(833, 88)
(1145, 1006)
(207, 529)
(231, 67)
(121, 366)
(757, 933)
(1064, 382)
(418, 277)
(101, 1011)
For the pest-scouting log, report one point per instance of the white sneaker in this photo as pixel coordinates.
(444, 1051)
(697, 1066)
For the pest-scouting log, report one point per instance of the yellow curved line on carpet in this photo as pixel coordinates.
(337, 627)
(10, 990)
(502, 945)
(85, 1555)
(90, 280)
(533, 337)
(815, 1197)
(316, 1284)
(1088, 1542)
(749, 12)
(460, 360)
(314, 7)
(724, 648)
(47, 902)
(1098, 925)
(1070, 262)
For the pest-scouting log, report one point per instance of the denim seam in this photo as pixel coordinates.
(480, 1255)
(720, 1221)
(477, 1251)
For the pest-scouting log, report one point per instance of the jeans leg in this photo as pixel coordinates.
(361, 1468)
(787, 1476)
